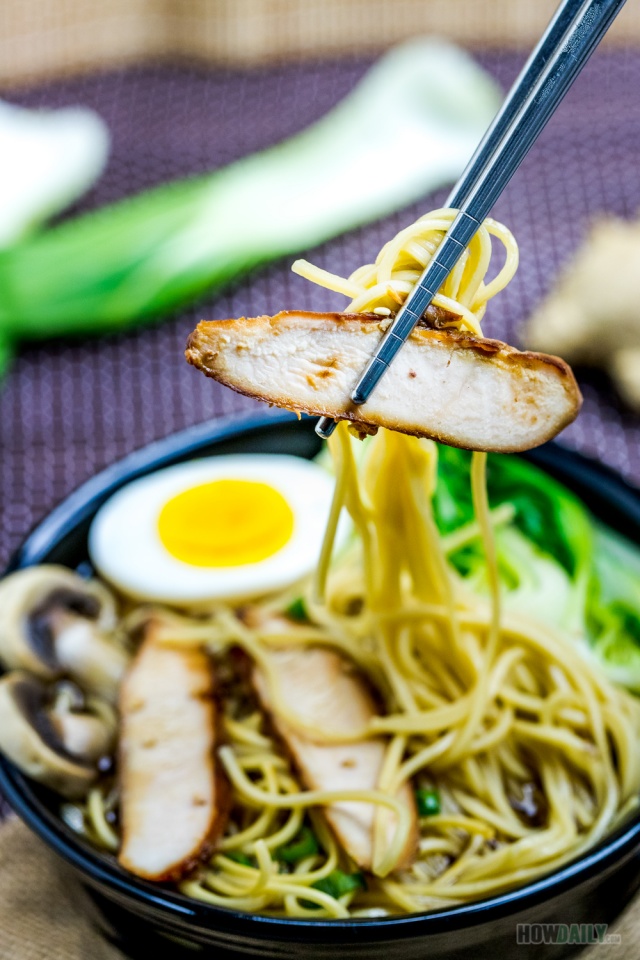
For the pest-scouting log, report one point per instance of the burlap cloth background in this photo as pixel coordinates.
(47, 37)
(68, 409)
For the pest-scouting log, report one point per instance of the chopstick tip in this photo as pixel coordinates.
(325, 427)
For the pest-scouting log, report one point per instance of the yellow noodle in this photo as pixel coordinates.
(385, 284)
(312, 798)
(95, 814)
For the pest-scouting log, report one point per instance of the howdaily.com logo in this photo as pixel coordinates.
(584, 934)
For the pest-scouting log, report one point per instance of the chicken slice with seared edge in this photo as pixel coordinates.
(174, 802)
(321, 687)
(463, 390)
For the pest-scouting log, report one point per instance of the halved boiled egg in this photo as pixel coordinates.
(223, 527)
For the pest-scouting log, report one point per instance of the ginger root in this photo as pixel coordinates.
(592, 316)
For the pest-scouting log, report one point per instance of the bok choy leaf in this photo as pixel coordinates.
(556, 563)
(613, 606)
(48, 159)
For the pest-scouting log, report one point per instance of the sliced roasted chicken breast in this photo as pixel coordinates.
(463, 390)
(173, 800)
(322, 689)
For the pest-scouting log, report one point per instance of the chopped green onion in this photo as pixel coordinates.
(305, 845)
(338, 883)
(428, 802)
(297, 610)
(238, 857)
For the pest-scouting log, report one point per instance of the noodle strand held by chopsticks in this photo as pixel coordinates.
(381, 287)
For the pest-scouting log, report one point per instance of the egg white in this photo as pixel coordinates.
(126, 549)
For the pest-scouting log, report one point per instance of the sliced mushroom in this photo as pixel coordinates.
(83, 735)
(55, 747)
(84, 732)
(54, 623)
(173, 798)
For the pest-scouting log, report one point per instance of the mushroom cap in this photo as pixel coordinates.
(54, 623)
(30, 739)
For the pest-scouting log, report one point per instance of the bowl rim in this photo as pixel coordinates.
(99, 870)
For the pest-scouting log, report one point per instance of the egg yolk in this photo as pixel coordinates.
(225, 523)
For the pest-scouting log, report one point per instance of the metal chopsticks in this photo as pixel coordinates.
(571, 37)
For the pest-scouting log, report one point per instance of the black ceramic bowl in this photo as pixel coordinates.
(145, 919)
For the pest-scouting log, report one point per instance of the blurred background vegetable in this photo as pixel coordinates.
(592, 314)
(140, 259)
(48, 159)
